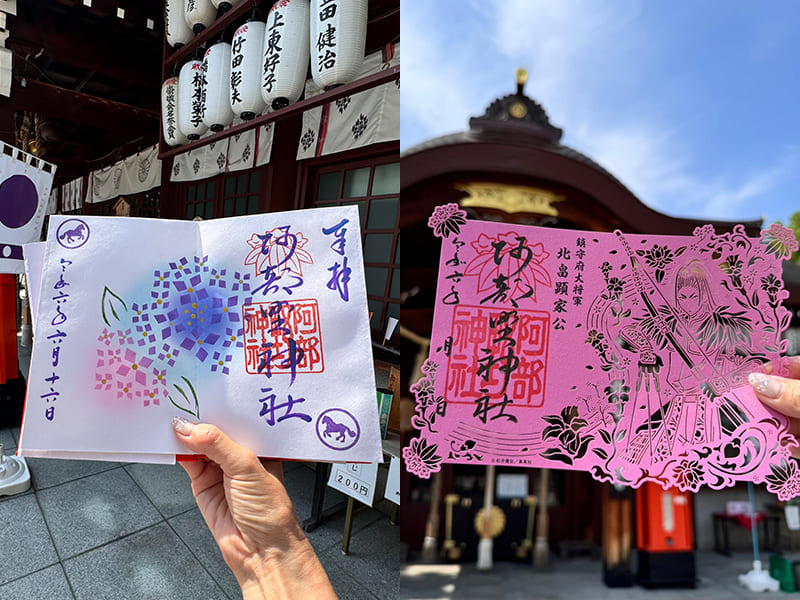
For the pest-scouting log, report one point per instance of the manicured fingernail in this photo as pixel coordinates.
(182, 426)
(768, 386)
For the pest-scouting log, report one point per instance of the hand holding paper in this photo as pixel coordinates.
(624, 355)
(251, 517)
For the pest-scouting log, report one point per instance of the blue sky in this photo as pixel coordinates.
(695, 106)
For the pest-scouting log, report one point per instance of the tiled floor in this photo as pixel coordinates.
(111, 531)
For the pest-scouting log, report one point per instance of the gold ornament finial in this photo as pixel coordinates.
(522, 78)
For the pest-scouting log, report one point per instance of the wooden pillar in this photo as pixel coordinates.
(617, 536)
(541, 548)
(431, 542)
(486, 545)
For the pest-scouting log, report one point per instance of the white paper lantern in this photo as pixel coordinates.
(178, 32)
(173, 136)
(199, 14)
(285, 53)
(190, 100)
(225, 5)
(338, 37)
(217, 111)
(246, 54)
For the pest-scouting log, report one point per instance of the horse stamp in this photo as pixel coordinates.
(72, 234)
(338, 429)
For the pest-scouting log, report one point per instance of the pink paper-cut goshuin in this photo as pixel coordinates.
(623, 355)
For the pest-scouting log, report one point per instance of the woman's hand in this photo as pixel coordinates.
(781, 394)
(250, 515)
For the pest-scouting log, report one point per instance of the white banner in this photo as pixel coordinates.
(135, 174)
(369, 117)
(24, 194)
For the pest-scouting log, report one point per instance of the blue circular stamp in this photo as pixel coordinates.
(338, 429)
(72, 233)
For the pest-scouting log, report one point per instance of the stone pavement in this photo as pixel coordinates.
(574, 579)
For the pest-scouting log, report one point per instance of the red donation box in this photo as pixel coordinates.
(665, 537)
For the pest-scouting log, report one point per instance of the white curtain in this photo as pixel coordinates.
(52, 203)
(235, 153)
(264, 144)
(135, 174)
(369, 117)
(72, 195)
(200, 163)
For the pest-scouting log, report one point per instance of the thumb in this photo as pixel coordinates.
(202, 438)
(777, 392)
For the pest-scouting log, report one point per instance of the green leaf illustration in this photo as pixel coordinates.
(555, 454)
(107, 302)
(192, 406)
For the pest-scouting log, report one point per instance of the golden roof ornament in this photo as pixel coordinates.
(522, 79)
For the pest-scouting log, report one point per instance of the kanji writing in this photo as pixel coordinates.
(60, 300)
(279, 249)
(562, 288)
(457, 273)
(340, 272)
(338, 231)
(520, 255)
(237, 56)
(326, 40)
(198, 93)
(577, 282)
(340, 278)
(270, 406)
(170, 111)
(505, 361)
(272, 57)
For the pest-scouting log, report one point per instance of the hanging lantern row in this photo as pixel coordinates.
(265, 64)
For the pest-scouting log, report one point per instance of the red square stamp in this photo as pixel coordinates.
(497, 353)
(282, 337)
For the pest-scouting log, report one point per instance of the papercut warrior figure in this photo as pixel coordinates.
(707, 343)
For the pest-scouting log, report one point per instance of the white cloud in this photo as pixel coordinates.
(433, 85)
